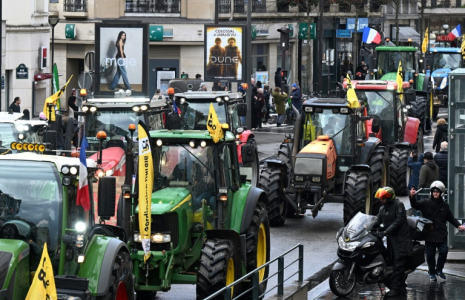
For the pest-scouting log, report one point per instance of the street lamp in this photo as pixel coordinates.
(445, 27)
(53, 21)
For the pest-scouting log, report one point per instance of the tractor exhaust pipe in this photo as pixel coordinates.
(297, 129)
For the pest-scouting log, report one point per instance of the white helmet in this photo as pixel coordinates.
(437, 185)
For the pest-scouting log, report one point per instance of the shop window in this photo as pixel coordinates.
(259, 57)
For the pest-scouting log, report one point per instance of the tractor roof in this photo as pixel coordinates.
(445, 50)
(396, 49)
(203, 96)
(326, 102)
(127, 102)
(59, 161)
(187, 134)
(6, 117)
(376, 85)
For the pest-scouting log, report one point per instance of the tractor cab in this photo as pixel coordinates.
(14, 129)
(388, 58)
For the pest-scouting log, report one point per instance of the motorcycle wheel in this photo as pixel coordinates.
(340, 284)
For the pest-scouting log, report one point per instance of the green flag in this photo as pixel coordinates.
(56, 84)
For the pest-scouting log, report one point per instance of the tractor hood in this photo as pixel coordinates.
(389, 76)
(169, 199)
(113, 161)
(441, 73)
(11, 253)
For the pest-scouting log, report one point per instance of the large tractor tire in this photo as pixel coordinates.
(378, 175)
(271, 183)
(418, 109)
(398, 170)
(358, 194)
(258, 246)
(121, 280)
(219, 267)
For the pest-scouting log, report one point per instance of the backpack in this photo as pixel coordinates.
(173, 121)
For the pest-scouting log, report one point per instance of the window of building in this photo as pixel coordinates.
(259, 57)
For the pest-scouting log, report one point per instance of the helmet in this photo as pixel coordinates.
(385, 193)
(437, 185)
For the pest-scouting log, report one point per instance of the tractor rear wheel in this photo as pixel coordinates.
(378, 175)
(358, 196)
(418, 109)
(218, 267)
(122, 279)
(270, 182)
(398, 170)
(258, 246)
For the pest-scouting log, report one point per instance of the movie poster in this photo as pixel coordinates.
(121, 59)
(223, 53)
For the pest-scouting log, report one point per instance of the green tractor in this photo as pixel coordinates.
(329, 158)
(209, 226)
(38, 195)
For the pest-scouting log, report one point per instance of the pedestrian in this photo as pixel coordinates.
(221, 87)
(278, 79)
(14, 106)
(120, 67)
(438, 211)
(361, 71)
(296, 97)
(393, 216)
(441, 161)
(267, 97)
(158, 95)
(26, 114)
(258, 104)
(279, 99)
(203, 87)
(429, 172)
(415, 162)
(242, 91)
(72, 101)
(255, 88)
(440, 135)
(198, 76)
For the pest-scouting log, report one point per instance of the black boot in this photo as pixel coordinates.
(278, 125)
(392, 293)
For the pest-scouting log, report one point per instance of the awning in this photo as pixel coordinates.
(406, 33)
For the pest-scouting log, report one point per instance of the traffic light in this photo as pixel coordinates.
(284, 38)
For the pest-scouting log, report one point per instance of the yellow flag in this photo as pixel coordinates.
(424, 46)
(43, 285)
(351, 96)
(399, 80)
(431, 105)
(53, 99)
(214, 125)
(463, 46)
(145, 189)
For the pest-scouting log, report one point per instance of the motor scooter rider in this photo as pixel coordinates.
(393, 215)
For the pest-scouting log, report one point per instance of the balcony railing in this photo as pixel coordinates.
(153, 6)
(257, 6)
(224, 6)
(75, 6)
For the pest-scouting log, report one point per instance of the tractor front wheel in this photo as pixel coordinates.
(418, 109)
(398, 170)
(358, 194)
(122, 279)
(378, 175)
(218, 267)
(271, 183)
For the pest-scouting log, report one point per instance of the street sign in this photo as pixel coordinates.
(444, 38)
(303, 28)
(22, 72)
(343, 34)
(156, 33)
(362, 23)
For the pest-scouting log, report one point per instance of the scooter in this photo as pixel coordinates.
(363, 256)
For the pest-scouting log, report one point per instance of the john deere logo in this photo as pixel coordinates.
(190, 86)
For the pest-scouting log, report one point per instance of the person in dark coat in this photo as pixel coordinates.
(266, 96)
(361, 72)
(415, 162)
(258, 104)
(440, 135)
(278, 79)
(429, 172)
(393, 216)
(296, 97)
(436, 210)
(14, 107)
(441, 161)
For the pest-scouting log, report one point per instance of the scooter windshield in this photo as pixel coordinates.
(359, 226)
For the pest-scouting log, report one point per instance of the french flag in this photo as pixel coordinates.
(176, 108)
(83, 197)
(371, 36)
(455, 33)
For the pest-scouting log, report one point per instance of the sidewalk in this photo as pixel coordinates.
(419, 287)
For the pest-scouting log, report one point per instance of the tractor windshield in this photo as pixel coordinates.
(388, 62)
(180, 165)
(446, 60)
(30, 204)
(195, 114)
(8, 134)
(380, 103)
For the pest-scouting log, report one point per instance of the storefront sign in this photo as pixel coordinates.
(444, 38)
(22, 72)
(224, 47)
(343, 34)
(70, 31)
(362, 23)
(303, 28)
(156, 33)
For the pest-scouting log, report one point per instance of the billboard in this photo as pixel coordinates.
(121, 57)
(224, 46)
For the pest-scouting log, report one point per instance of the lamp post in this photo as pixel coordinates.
(53, 21)
(445, 27)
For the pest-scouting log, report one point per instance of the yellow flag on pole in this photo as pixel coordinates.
(145, 189)
(463, 46)
(424, 46)
(43, 284)
(399, 80)
(351, 95)
(214, 125)
(53, 99)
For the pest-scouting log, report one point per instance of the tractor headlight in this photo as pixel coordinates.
(21, 136)
(344, 110)
(308, 109)
(299, 178)
(80, 241)
(137, 238)
(161, 238)
(85, 108)
(25, 128)
(80, 226)
(109, 172)
(93, 109)
(65, 170)
(316, 179)
(66, 181)
(443, 83)
(73, 170)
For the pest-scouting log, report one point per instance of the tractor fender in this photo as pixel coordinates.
(360, 167)
(230, 235)
(365, 152)
(253, 197)
(411, 130)
(402, 145)
(274, 162)
(100, 254)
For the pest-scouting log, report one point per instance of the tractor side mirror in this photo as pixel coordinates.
(242, 109)
(410, 96)
(375, 125)
(248, 153)
(106, 197)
